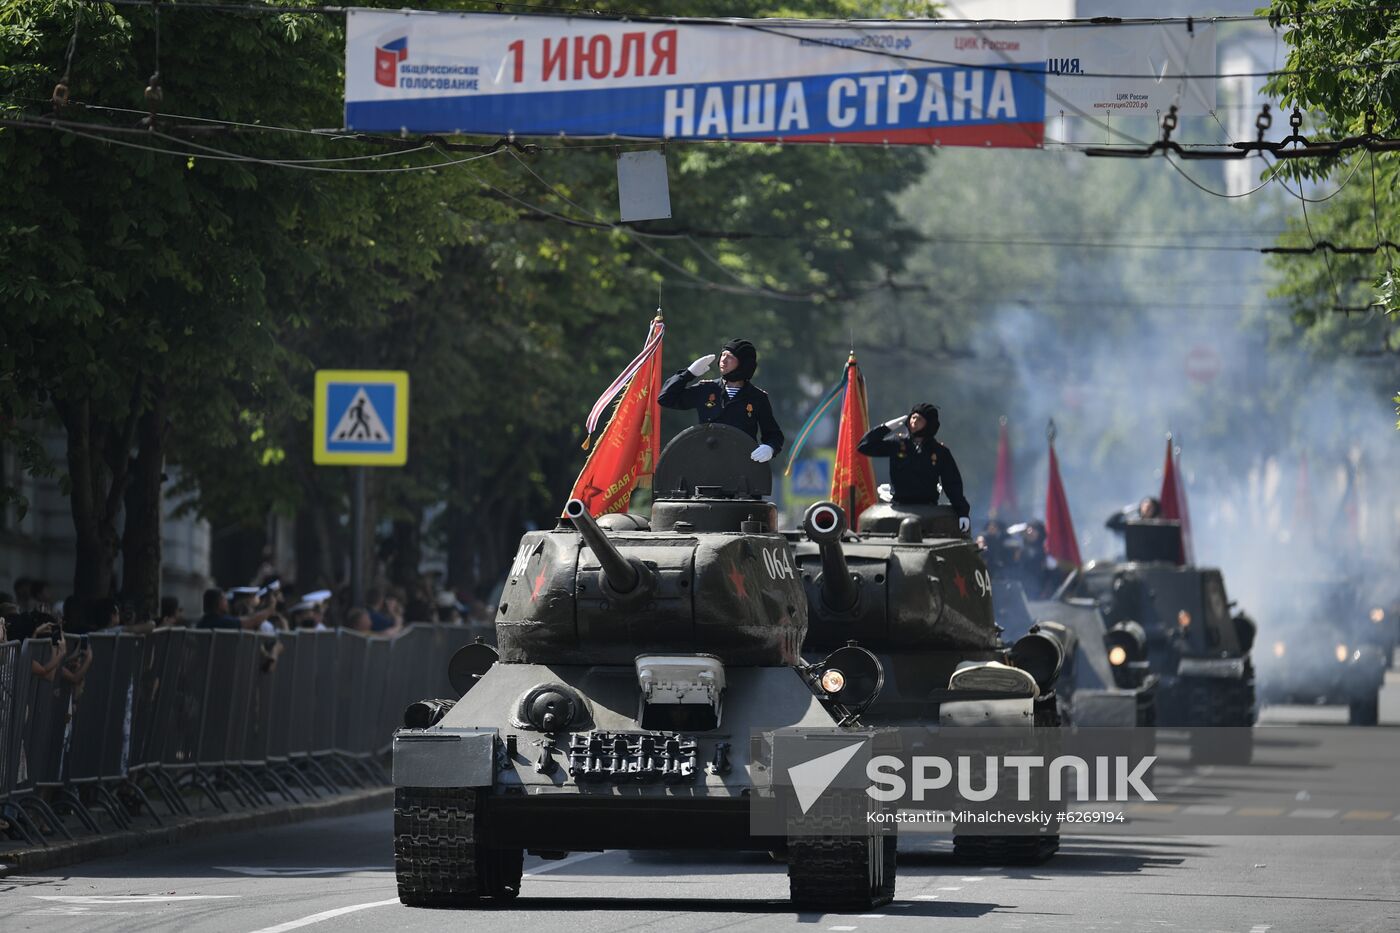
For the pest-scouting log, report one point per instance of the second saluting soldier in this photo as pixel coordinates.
(732, 399)
(918, 463)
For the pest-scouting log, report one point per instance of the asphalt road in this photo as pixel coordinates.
(337, 875)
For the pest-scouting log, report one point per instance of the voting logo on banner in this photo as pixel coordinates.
(361, 418)
(387, 56)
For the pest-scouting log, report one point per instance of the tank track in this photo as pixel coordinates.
(1221, 704)
(1014, 849)
(440, 860)
(832, 873)
(833, 865)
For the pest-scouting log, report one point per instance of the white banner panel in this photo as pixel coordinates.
(760, 80)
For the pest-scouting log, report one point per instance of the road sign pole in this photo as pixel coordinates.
(357, 538)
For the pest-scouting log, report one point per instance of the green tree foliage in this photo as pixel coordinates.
(178, 306)
(1343, 74)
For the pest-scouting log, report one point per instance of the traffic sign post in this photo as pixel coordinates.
(361, 420)
(361, 417)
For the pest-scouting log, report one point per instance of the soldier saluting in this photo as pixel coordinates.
(918, 463)
(732, 399)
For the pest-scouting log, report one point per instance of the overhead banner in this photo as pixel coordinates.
(924, 83)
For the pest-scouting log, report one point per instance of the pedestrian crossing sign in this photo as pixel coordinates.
(361, 418)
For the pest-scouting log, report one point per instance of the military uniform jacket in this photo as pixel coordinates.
(749, 410)
(917, 469)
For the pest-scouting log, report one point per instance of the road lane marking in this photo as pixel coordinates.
(1372, 815)
(1314, 814)
(955, 888)
(550, 866)
(925, 897)
(1259, 811)
(1261, 928)
(841, 929)
(130, 898)
(325, 915)
(974, 879)
(261, 871)
(872, 916)
(1205, 809)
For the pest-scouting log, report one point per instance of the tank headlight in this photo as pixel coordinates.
(1342, 654)
(1279, 649)
(1378, 615)
(1183, 618)
(1117, 656)
(833, 681)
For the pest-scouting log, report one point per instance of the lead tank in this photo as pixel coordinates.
(912, 589)
(636, 660)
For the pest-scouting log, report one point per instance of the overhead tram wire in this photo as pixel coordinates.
(621, 16)
(220, 156)
(576, 12)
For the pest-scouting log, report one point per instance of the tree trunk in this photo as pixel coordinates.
(95, 534)
(141, 535)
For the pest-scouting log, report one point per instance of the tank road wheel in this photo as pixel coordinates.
(1365, 712)
(440, 859)
(841, 873)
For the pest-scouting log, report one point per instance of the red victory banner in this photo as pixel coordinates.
(627, 449)
(1060, 542)
(1173, 499)
(1004, 505)
(853, 478)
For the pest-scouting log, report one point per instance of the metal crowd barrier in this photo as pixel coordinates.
(181, 715)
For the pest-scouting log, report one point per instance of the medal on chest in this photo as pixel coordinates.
(710, 402)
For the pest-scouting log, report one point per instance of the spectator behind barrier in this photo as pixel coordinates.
(171, 612)
(217, 616)
(41, 625)
(358, 620)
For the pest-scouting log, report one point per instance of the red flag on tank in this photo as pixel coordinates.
(853, 477)
(1004, 505)
(1173, 499)
(627, 449)
(1060, 542)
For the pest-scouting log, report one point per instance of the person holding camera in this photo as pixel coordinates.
(217, 615)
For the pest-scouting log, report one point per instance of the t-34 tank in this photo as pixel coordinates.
(1175, 621)
(1105, 681)
(637, 658)
(914, 591)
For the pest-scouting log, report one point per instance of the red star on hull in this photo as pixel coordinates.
(539, 582)
(960, 582)
(736, 577)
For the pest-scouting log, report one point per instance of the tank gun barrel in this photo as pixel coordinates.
(623, 575)
(824, 523)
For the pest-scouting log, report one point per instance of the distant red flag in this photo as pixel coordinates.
(1173, 499)
(853, 478)
(627, 449)
(1060, 542)
(1004, 504)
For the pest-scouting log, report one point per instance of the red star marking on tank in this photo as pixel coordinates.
(736, 577)
(539, 582)
(960, 582)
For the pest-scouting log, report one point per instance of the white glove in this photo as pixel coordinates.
(699, 367)
(897, 427)
(964, 525)
(762, 453)
(884, 493)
